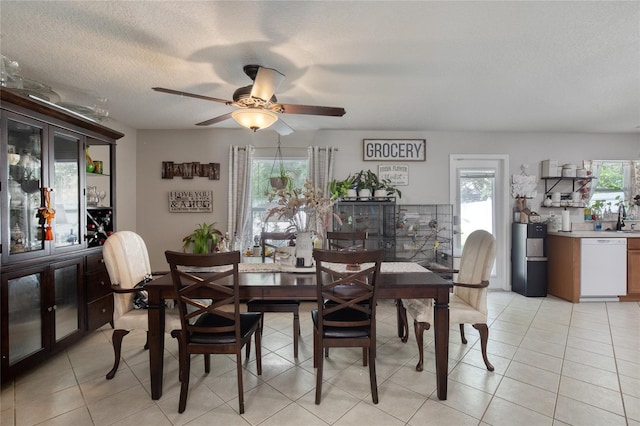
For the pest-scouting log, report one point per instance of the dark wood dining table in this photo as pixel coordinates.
(302, 286)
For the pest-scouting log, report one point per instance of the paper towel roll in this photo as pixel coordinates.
(566, 220)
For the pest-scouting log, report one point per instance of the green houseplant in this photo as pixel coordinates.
(204, 239)
(339, 188)
(366, 179)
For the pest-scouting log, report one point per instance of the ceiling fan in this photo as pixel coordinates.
(257, 105)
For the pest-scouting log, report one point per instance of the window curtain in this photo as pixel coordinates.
(321, 164)
(239, 208)
(593, 166)
(633, 189)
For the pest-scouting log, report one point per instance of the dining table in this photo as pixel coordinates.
(398, 280)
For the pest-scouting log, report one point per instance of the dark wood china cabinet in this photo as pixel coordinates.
(55, 213)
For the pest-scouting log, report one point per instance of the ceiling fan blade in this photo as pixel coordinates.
(266, 83)
(312, 110)
(190, 95)
(282, 128)
(214, 120)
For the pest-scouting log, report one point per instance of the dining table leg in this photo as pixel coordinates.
(155, 338)
(441, 336)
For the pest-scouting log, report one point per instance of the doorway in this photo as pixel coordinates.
(479, 194)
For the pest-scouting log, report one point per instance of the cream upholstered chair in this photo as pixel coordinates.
(468, 304)
(127, 261)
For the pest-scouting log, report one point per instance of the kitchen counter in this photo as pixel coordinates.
(598, 234)
(564, 262)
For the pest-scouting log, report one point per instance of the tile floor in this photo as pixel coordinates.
(556, 363)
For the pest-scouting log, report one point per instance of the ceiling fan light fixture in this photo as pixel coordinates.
(254, 118)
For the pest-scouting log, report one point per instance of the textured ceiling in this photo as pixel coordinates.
(426, 66)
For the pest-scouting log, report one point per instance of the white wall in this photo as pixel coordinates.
(428, 181)
(126, 173)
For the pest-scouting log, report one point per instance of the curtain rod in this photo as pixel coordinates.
(322, 148)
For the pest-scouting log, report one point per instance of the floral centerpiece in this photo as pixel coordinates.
(306, 209)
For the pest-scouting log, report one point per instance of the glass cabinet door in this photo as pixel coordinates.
(65, 307)
(24, 297)
(25, 158)
(66, 194)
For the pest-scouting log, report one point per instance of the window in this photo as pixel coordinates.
(612, 178)
(262, 169)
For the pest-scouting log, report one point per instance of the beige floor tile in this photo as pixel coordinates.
(334, 403)
(476, 377)
(628, 368)
(503, 413)
(293, 415)
(364, 413)
(49, 406)
(420, 382)
(631, 407)
(200, 400)
(630, 386)
(592, 375)
(538, 359)
(627, 354)
(7, 417)
(294, 383)
(260, 403)
(534, 376)
(527, 396)
(79, 416)
(397, 400)
(466, 399)
(536, 345)
(578, 413)
(42, 386)
(591, 394)
(605, 349)
(96, 389)
(226, 385)
(222, 415)
(151, 416)
(434, 413)
(119, 406)
(592, 359)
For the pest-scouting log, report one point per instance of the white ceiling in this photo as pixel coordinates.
(423, 66)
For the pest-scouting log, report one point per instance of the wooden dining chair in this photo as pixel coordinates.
(346, 313)
(267, 239)
(346, 240)
(214, 325)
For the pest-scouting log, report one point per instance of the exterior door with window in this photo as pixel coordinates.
(478, 192)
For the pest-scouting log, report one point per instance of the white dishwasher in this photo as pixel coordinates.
(603, 269)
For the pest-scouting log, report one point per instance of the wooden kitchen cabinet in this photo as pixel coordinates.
(563, 274)
(633, 270)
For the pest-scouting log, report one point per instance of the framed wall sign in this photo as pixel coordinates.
(398, 175)
(191, 201)
(394, 149)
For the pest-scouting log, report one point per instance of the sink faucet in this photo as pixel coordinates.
(621, 215)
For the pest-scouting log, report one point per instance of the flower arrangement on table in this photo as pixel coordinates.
(306, 209)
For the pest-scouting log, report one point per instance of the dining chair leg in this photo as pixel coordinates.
(419, 328)
(372, 376)
(462, 336)
(484, 337)
(240, 387)
(402, 321)
(296, 332)
(184, 363)
(146, 343)
(116, 339)
(258, 338)
(207, 363)
(365, 355)
(319, 372)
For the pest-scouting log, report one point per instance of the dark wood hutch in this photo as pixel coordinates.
(54, 286)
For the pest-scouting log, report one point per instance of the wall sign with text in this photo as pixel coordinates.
(395, 149)
(398, 175)
(191, 201)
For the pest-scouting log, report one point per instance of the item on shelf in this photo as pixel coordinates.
(92, 196)
(569, 170)
(97, 167)
(566, 221)
(90, 166)
(550, 168)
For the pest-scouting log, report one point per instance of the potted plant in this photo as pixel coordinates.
(369, 182)
(284, 180)
(342, 188)
(204, 239)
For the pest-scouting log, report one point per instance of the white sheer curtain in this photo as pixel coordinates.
(321, 164)
(593, 166)
(239, 209)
